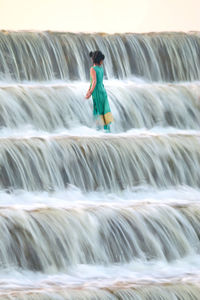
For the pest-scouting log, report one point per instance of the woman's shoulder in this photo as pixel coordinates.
(97, 70)
(97, 67)
(92, 69)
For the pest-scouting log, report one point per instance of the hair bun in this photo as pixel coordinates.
(91, 53)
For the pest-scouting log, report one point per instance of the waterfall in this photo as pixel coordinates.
(96, 235)
(91, 163)
(48, 55)
(87, 215)
(49, 107)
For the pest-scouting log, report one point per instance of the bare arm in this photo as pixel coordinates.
(94, 82)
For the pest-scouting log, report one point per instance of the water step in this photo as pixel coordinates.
(51, 106)
(63, 55)
(50, 289)
(109, 162)
(101, 235)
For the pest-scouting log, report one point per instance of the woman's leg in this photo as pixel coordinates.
(107, 128)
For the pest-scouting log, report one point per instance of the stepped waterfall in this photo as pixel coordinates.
(86, 215)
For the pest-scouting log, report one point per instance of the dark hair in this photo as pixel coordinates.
(97, 56)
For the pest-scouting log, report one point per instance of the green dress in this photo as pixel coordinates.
(101, 107)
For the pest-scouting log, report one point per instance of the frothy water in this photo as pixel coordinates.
(134, 105)
(43, 56)
(100, 163)
(89, 215)
(97, 235)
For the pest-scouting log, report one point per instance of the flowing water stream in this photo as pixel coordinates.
(95, 216)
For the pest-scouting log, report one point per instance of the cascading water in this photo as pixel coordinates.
(49, 107)
(49, 55)
(88, 215)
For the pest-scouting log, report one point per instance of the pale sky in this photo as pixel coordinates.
(100, 15)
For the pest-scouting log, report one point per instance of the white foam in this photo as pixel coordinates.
(134, 273)
(83, 131)
(74, 197)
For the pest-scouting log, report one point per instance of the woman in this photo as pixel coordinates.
(101, 108)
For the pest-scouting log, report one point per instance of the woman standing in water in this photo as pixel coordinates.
(101, 108)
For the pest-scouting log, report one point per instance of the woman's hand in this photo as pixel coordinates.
(92, 87)
(88, 95)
